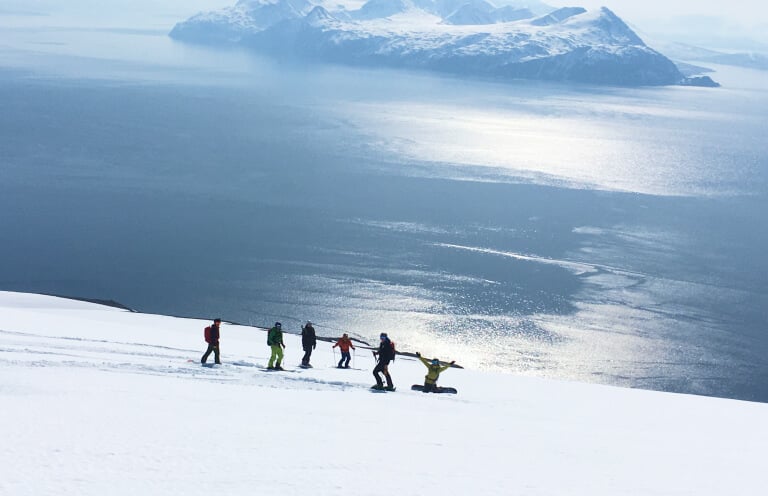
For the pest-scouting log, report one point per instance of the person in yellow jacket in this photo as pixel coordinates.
(434, 369)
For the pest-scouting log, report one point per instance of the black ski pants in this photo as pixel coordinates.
(430, 387)
(382, 367)
(211, 348)
(307, 354)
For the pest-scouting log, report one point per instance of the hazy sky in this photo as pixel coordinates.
(734, 24)
(750, 12)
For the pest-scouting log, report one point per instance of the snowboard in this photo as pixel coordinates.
(440, 389)
(207, 365)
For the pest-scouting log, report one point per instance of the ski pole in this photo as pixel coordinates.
(353, 358)
(334, 356)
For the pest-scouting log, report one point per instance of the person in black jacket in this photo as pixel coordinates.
(213, 343)
(385, 354)
(308, 342)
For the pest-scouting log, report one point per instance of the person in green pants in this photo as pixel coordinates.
(275, 341)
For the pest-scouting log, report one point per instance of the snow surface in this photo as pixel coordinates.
(98, 400)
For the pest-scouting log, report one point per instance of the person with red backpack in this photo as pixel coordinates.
(344, 344)
(384, 355)
(212, 338)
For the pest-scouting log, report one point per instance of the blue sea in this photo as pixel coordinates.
(606, 235)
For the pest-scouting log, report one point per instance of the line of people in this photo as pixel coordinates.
(384, 354)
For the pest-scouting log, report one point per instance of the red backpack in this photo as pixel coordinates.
(207, 334)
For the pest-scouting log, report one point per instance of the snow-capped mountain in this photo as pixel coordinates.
(463, 37)
(230, 25)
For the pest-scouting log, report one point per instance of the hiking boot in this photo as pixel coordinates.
(390, 388)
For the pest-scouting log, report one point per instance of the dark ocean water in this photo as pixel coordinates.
(591, 234)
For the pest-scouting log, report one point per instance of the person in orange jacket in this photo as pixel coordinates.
(344, 344)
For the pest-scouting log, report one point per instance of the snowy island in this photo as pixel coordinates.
(474, 38)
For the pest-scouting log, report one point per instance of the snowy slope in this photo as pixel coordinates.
(470, 38)
(98, 400)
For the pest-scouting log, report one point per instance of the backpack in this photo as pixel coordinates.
(207, 334)
(394, 352)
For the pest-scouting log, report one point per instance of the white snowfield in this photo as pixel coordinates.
(102, 401)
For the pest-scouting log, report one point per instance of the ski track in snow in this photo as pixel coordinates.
(141, 358)
(88, 409)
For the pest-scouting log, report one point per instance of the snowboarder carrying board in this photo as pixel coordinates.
(275, 342)
(385, 354)
(308, 342)
(434, 369)
(212, 338)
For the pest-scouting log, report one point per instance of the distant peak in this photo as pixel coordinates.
(613, 24)
(373, 9)
(608, 13)
(319, 14)
(559, 16)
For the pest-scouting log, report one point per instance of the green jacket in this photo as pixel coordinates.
(275, 336)
(434, 370)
